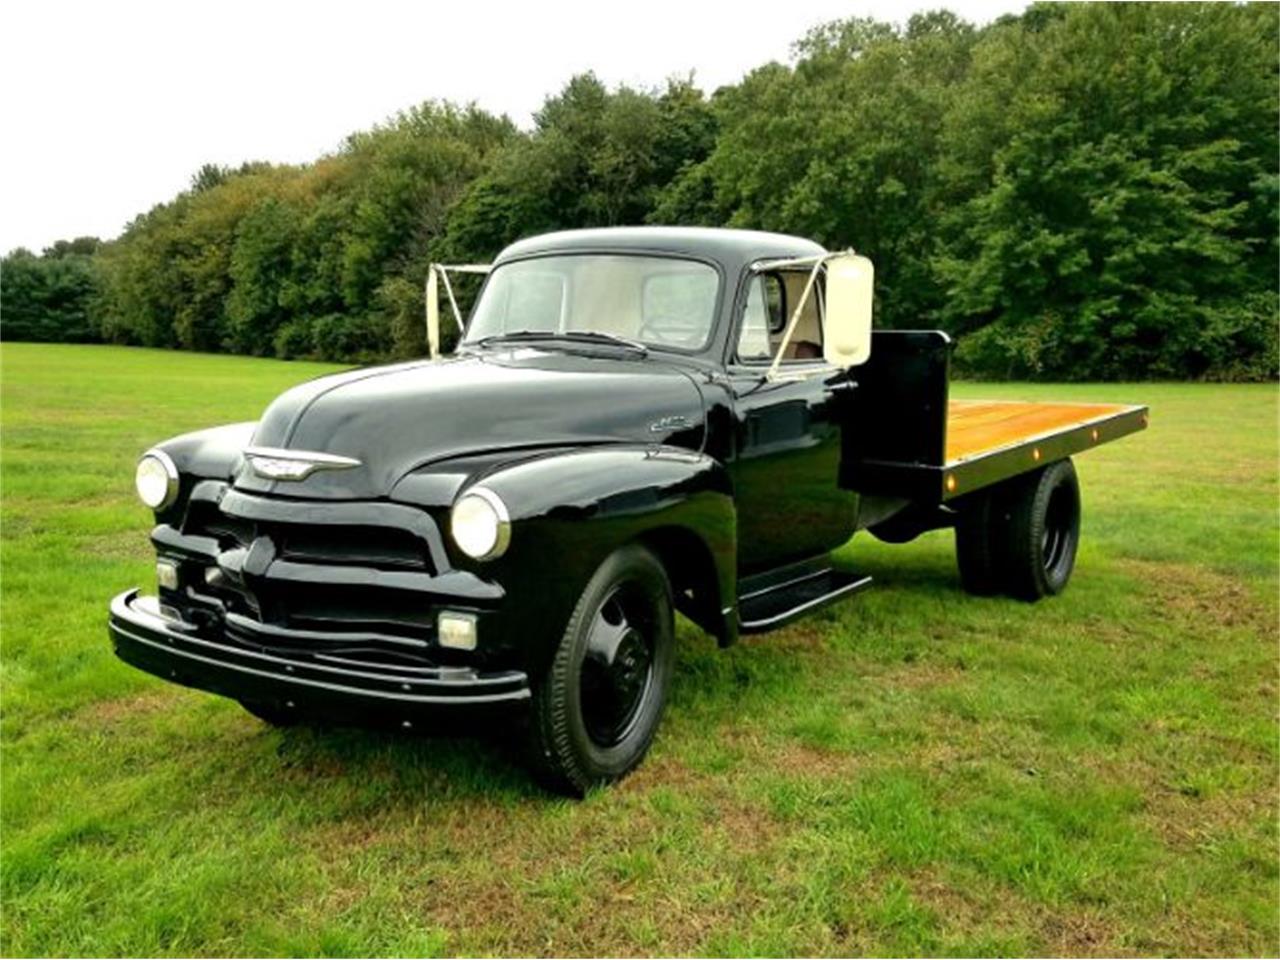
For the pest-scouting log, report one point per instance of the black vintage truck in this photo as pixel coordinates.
(635, 421)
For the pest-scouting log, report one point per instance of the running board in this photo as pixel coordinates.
(777, 606)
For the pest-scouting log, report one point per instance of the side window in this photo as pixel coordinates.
(806, 340)
(765, 319)
(776, 302)
(754, 334)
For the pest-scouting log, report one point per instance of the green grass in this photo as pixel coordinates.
(916, 771)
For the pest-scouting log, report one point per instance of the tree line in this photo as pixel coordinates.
(1077, 192)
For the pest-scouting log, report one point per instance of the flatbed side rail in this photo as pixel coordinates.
(1026, 453)
(940, 482)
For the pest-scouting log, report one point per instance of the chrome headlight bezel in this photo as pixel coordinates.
(160, 467)
(480, 506)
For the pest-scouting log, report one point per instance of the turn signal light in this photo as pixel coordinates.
(167, 574)
(457, 631)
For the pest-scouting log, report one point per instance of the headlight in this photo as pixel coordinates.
(480, 525)
(156, 479)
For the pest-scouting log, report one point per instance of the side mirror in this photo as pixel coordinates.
(846, 340)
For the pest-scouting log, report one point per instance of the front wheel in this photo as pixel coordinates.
(596, 709)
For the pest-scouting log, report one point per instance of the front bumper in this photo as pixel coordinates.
(331, 687)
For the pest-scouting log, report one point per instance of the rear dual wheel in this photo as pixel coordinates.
(1021, 537)
(597, 708)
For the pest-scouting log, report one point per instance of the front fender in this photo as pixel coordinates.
(571, 510)
(212, 454)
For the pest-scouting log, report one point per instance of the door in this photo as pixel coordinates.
(786, 462)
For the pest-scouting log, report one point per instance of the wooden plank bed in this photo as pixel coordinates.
(977, 427)
(990, 440)
(914, 441)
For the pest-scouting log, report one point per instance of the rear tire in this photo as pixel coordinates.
(1042, 532)
(596, 709)
(978, 537)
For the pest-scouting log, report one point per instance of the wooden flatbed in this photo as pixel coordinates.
(914, 441)
(979, 427)
(990, 440)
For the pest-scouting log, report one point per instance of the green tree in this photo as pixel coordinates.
(842, 148)
(80, 246)
(595, 158)
(49, 298)
(1079, 191)
(1123, 208)
(261, 261)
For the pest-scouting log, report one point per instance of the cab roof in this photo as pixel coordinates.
(731, 248)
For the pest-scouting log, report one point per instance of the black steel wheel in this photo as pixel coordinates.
(617, 670)
(597, 708)
(1042, 532)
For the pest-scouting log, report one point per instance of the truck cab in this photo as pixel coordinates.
(633, 422)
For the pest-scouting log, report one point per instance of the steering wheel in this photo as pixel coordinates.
(666, 330)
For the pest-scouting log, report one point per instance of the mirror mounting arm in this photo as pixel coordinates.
(818, 263)
(435, 273)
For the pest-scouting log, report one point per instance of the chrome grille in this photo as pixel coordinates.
(343, 587)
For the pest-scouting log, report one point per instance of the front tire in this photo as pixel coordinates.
(596, 709)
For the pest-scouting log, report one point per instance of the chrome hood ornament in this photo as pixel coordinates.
(274, 463)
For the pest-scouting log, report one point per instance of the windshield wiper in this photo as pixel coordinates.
(599, 336)
(578, 336)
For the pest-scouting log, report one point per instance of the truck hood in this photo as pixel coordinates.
(397, 419)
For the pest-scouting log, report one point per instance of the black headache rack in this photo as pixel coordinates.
(912, 441)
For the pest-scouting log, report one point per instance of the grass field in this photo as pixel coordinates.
(915, 771)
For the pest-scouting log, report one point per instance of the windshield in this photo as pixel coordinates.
(659, 301)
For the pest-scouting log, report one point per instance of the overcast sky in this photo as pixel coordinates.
(111, 106)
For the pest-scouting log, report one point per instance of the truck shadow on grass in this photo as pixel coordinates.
(712, 687)
(404, 767)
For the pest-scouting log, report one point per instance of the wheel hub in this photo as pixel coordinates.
(615, 673)
(1055, 543)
